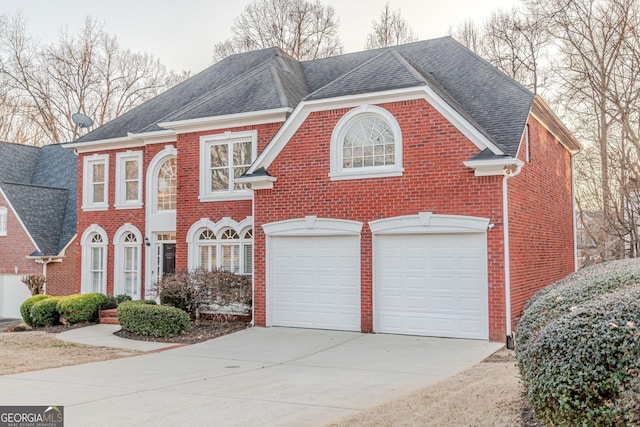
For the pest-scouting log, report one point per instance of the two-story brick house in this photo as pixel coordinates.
(413, 189)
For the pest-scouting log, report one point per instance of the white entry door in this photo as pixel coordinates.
(314, 282)
(431, 285)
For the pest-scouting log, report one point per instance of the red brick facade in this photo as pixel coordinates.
(435, 179)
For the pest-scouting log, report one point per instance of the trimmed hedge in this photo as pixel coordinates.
(80, 308)
(152, 320)
(45, 312)
(578, 347)
(25, 308)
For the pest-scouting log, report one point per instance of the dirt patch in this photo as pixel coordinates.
(35, 350)
(206, 330)
(489, 394)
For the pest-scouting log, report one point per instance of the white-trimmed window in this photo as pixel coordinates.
(221, 247)
(129, 180)
(128, 248)
(3, 220)
(167, 185)
(96, 182)
(94, 260)
(223, 158)
(366, 143)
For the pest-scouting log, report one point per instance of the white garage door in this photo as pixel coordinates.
(432, 285)
(314, 282)
(12, 293)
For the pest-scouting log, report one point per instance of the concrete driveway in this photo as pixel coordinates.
(256, 377)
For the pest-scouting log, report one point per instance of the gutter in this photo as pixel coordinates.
(509, 172)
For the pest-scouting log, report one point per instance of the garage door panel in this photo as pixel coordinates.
(431, 284)
(322, 273)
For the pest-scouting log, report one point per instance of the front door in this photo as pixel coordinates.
(168, 259)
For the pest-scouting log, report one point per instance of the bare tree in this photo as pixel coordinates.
(389, 30)
(303, 29)
(88, 72)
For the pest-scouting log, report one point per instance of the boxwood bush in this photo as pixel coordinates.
(152, 320)
(45, 312)
(25, 307)
(80, 308)
(578, 347)
(559, 298)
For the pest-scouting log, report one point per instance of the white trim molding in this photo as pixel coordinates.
(428, 222)
(251, 118)
(88, 203)
(121, 201)
(495, 167)
(338, 172)
(304, 108)
(313, 226)
(228, 138)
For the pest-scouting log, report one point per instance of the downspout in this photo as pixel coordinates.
(509, 172)
(573, 209)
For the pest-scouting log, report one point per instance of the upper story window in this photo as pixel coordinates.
(223, 158)
(96, 182)
(167, 185)
(366, 143)
(3, 221)
(129, 180)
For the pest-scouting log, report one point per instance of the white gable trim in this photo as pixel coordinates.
(33, 242)
(493, 167)
(228, 121)
(305, 108)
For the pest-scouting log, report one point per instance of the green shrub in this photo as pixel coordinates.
(560, 298)
(114, 301)
(25, 308)
(582, 368)
(80, 308)
(45, 312)
(152, 320)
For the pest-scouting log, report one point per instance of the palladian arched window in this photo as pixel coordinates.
(167, 185)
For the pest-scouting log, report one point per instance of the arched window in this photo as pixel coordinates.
(167, 185)
(94, 260)
(128, 254)
(207, 246)
(230, 248)
(366, 143)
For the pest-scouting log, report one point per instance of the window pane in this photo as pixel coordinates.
(248, 259)
(132, 190)
(96, 259)
(219, 155)
(98, 172)
(130, 259)
(368, 142)
(167, 185)
(219, 179)
(242, 153)
(230, 258)
(98, 193)
(131, 169)
(238, 172)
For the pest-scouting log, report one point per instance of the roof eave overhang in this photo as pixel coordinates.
(305, 108)
(495, 167)
(543, 114)
(276, 115)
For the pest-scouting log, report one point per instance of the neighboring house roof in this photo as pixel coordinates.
(269, 79)
(41, 185)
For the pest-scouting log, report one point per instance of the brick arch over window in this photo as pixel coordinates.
(94, 260)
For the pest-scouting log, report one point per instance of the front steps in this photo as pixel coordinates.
(109, 317)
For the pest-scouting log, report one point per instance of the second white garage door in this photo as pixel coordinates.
(314, 282)
(432, 285)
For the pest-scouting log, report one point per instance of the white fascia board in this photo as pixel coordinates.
(305, 108)
(228, 121)
(104, 144)
(157, 137)
(494, 167)
(4, 196)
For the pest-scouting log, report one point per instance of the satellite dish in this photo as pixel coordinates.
(81, 120)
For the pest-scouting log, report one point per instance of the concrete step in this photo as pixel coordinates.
(109, 321)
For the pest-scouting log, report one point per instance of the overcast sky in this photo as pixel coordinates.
(181, 33)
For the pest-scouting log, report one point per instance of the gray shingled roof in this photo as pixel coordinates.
(268, 79)
(41, 185)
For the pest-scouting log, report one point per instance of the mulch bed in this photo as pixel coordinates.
(206, 330)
